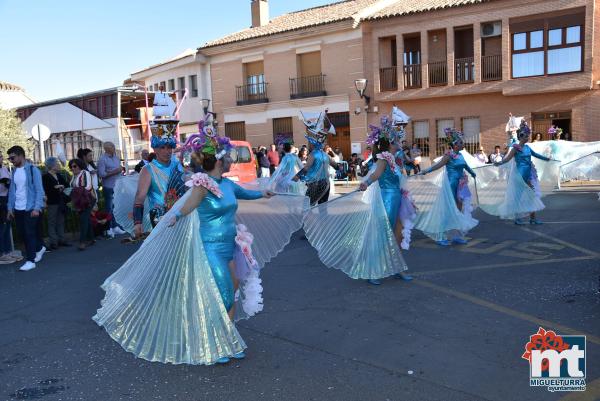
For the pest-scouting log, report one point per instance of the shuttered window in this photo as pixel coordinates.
(283, 130)
(471, 129)
(236, 131)
(421, 135)
(441, 145)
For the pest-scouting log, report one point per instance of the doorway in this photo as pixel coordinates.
(341, 122)
(541, 122)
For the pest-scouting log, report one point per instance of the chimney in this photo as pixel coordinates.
(260, 12)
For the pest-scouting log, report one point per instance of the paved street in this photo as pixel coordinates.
(457, 332)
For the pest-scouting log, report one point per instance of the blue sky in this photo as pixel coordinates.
(60, 48)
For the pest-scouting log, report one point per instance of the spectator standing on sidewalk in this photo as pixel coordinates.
(54, 186)
(5, 242)
(145, 160)
(497, 156)
(25, 204)
(263, 162)
(83, 199)
(109, 169)
(415, 155)
(87, 157)
(273, 156)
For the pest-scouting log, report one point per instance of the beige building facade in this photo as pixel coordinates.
(446, 63)
(305, 61)
(468, 67)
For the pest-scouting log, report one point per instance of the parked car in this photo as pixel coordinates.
(243, 168)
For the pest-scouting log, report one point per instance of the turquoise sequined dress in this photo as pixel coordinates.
(218, 231)
(524, 163)
(455, 170)
(164, 178)
(317, 178)
(169, 301)
(389, 184)
(160, 174)
(439, 217)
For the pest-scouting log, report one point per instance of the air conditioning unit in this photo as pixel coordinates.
(490, 29)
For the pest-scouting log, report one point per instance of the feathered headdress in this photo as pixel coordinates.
(391, 129)
(523, 130)
(164, 124)
(553, 130)
(453, 135)
(208, 141)
(316, 133)
(281, 139)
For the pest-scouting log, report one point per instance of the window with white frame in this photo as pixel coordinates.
(547, 45)
(193, 86)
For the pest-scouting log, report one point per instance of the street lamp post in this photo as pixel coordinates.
(361, 86)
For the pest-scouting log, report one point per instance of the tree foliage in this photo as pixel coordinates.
(12, 133)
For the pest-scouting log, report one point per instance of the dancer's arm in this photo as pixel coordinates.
(197, 194)
(436, 166)
(246, 194)
(509, 155)
(138, 204)
(375, 176)
(309, 162)
(470, 171)
(535, 154)
(333, 163)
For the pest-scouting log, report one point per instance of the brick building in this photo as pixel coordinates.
(470, 63)
(306, 60)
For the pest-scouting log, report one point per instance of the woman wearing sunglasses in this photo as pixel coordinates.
(83, 199)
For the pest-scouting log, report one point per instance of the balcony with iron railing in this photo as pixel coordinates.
(438, 73)
(491, 68)
(388, 79)
(412, 76)
(251, 94)
(310, 86)
(464, 70)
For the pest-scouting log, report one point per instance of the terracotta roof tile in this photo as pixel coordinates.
(340, 11)
(7, 86)
(405, 7)
(297, 20)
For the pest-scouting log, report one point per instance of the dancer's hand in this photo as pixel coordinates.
(295, 178)
(363, 186)
(172, 220)
(268, 194)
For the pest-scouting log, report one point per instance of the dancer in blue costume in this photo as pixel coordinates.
(162, 180)
(450, 215)
(316, 171)
(390, 176)
(216, 210)
(281, 181)
(173, 300)
(522, 153)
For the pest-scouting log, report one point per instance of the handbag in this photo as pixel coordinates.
(81, 197)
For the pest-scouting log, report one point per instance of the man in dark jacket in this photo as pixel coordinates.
(263, 163)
